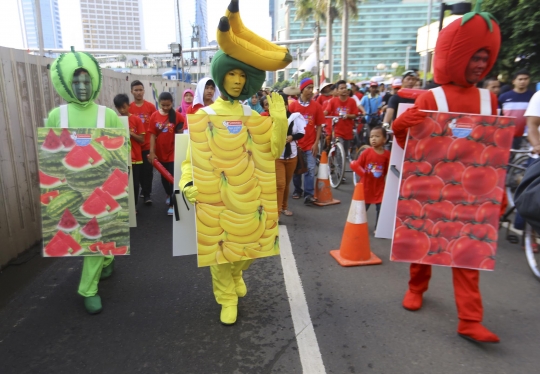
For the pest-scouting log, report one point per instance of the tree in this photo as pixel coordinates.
(349, 9)
(307, 74)
(281, 85)
(518, 21)
(305, 9)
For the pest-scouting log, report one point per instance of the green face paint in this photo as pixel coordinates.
(82, 86)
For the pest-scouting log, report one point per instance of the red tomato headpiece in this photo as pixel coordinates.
(460, 40)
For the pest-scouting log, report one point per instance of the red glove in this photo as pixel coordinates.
(411, 117)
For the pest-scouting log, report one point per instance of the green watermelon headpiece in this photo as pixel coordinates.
(460, 40)
(62, 70)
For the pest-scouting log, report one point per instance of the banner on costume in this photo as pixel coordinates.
(184, 231)
(83, 178)
(451, 190)
(387, 216)
(234, 172)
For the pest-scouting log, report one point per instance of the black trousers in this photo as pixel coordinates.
(146, 176)
(168, 187)
(136, 170)
(378, 207)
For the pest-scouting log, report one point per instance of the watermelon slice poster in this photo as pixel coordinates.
(451, 190)
(234, 170)
(83, 178)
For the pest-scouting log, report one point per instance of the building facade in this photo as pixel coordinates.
(384, 33)
(50, 22)
(112, 24)
(193, 18)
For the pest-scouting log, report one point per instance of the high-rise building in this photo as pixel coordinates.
(50, 23)
(383, 34)
(193, 21)
(112, 24)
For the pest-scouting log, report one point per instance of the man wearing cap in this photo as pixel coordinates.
(314, 116)
(371, 103)
(408, 80)
(465, 52)
(344, 107)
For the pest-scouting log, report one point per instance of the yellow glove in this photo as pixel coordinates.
(191, 193)
(279, 117)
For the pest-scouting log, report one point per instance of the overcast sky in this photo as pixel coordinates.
(158, 17)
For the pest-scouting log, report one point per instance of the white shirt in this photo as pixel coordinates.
(298, 128)
(533, 110)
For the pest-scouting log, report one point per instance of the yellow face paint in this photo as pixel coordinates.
(234, 82)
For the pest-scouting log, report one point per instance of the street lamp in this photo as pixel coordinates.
(395, 65)
(457, 8)
(176, 51)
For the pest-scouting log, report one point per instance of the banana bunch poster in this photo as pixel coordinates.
(234, 172)
(83, 178)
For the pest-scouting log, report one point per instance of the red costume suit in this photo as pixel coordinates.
(456, 46)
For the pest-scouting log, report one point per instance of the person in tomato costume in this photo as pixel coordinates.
(465, 52)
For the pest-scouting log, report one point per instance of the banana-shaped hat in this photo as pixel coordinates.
(244, 45)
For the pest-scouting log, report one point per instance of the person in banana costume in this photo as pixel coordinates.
(76, 76)
(238, 79)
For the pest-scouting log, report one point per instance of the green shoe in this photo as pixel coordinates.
(240, 286)
(93, 304)
(107, 271)
(228, 314)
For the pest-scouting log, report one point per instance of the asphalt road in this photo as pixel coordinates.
(160, 315)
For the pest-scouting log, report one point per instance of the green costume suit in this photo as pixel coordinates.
(82, 114)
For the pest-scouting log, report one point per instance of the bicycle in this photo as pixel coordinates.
(516, 170)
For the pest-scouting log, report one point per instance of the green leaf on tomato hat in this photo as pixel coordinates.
(477, 11)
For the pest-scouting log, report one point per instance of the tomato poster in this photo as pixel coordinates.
(83, 178)
(234, 171)
(451, 190)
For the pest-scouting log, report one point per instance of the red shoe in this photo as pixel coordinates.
(412, 301)
(474, 331)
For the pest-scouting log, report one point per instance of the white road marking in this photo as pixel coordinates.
(310, 355)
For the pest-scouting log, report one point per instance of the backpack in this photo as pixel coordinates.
(527, 197)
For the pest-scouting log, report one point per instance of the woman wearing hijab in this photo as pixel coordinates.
(254, 104)
(187, 102)
(205, 94)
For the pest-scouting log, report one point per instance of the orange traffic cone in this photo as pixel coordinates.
(355, 250)
(323, 191)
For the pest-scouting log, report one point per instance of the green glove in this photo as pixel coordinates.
(191, 193)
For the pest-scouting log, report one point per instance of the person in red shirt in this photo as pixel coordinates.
(326, 93)
(354, 88)
(375, 161)
(205, 95)
(163, 127)
(344, 107)
(265, 106)
(314, 116)
(465, 52)
(143, 109)
(136, 132)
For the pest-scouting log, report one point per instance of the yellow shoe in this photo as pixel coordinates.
(228, 314)
(241, 289)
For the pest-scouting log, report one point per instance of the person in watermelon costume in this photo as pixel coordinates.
(77, 78)
(465, 52)
(237, 81)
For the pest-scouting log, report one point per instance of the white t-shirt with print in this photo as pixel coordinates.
(533, 110)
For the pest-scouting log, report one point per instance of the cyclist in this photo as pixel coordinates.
(345, 108)
(408, 80)
(370, 105)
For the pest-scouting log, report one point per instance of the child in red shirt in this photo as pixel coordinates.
(375, 162)
(136, 132)
(143, 109)
(163, 127)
